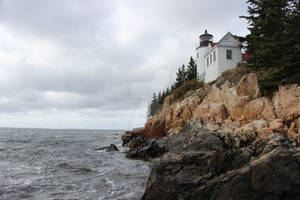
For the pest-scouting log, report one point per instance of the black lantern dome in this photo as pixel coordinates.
(205, 39)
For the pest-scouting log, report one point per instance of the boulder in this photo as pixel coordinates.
(248, 86)
(82, 170)
(240, 102)
(194, 137)
(287, 102)
(261, 108)
(128, 136)
(276, 125)
(274, 175)
(213, 127)
(246, 128)
(148, 149)
(112, 147)
(142, 147)
(260, 124)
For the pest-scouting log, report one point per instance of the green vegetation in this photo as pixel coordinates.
(186, 79)
(233, 75)
(185, 87)
(156, 103)
(274, 42)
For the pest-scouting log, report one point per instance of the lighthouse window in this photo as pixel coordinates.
(229, 54)
(197, 55)
(207, 61)
(210, 58)
(214, 55)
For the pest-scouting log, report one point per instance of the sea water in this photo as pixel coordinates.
(65, 165)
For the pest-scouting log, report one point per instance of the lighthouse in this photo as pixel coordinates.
(201, 50)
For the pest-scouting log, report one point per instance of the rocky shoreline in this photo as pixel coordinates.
(141, 147)
(196, 163)
(223, 141)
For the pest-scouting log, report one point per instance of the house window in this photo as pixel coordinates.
(228, 54)
(207, 61)
(210, 58)
(214, 56)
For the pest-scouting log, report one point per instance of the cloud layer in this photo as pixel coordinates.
(95, 64)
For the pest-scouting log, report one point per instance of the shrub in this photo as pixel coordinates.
(271, 78)
(233, 75)
(185, 87)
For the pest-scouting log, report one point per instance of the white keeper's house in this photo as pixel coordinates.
(215, 58)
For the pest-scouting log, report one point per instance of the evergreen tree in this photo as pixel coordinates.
(274, 41)
(180, 76)
(291, 55)
(268, 21)
(159, 99)
(149, 110)
(191, 70)
(153, 106)
(173, 87)
(184, 73)
(163, 95)
(168, 91)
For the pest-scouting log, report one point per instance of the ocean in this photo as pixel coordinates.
(65, 165)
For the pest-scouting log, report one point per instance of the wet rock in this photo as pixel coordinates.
(194, 137)
(112, 147)
(141, 147)
(150, 148)
(247, 149)
(271, 176)
(82, 170)
(128, 136)
(205, 165)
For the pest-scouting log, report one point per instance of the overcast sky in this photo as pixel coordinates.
(94, 64)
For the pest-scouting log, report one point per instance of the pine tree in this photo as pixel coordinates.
(149, 110)
(184, 73)
(191, 70)
(291, 55)
(173, 87)
(159, 99)
(274, 41)
(168, 91)
(152, 106)
(163, 95)
(180, 76)
(268, 30)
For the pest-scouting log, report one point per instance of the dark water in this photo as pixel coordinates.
(63, 164)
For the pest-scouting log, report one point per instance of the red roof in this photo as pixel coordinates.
(212, 44)
(246, 56)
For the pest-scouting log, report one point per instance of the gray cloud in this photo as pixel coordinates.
(65, 61)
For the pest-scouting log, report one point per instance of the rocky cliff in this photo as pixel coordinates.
(232, 108)
(204, 165)
(223, 141)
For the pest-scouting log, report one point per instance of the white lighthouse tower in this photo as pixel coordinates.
(201, 50)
